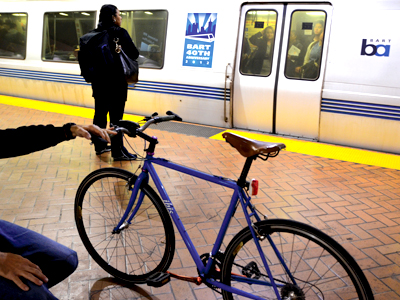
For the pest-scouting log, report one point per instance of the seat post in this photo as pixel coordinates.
(245, 171)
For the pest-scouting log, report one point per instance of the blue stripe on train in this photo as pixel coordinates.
(143, 86)
(362, 109)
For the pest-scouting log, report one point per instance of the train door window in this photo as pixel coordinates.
(305, 45)
(62, 31)
(13, 35)
(258, 42)
(148, 31)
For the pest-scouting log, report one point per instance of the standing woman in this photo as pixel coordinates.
(312, 57)
(110, 90)
(260, 61)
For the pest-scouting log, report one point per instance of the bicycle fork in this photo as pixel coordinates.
(142, 179)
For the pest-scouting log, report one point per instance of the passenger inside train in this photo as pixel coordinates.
(296, 53)
(312, 58)
(258, 43)
(304, 48)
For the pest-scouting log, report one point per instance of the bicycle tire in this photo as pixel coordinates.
(143, 248)
(322, 268)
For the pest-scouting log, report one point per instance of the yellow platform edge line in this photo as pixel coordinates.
(65, 109)
(360, 156)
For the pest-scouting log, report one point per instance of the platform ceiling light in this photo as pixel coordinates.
(266, 13)
(85, 13)
(315, 13)
(19, 15)
(64, 14)
(261, 12)
(148, 12)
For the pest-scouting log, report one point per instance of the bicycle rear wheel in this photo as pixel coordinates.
(144, 247)
(321, 268)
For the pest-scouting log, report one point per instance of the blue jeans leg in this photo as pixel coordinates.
(10, 291)
(56, 261)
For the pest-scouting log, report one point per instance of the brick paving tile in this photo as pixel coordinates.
(358, 205)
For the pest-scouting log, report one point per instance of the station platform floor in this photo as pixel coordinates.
(351, 194)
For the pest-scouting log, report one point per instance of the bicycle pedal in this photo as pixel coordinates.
(251, 269)
(158, 279)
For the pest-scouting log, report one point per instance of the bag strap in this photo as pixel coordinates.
(117, 47)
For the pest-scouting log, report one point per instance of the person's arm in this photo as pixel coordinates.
(255, 39)
(13, 267)
(128, 46)
(28, 139)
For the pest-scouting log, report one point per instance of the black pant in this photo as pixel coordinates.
(102, 107)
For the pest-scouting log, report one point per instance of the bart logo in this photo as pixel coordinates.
(375, 49)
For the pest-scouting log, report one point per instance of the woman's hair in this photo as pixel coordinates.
(321, 22)
(107, 12)
(270, 28)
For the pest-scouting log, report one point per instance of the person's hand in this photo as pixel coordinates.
(298, 69)
(13, 266)
(85, 131)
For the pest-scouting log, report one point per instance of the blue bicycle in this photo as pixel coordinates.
(127, 229)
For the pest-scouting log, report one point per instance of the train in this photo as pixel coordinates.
(325, 71)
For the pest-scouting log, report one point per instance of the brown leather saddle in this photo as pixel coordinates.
(248, 147)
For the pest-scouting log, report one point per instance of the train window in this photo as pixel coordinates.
(61, 34)
(13, 35)
(305, 45)
(148, 31)
(258, 42)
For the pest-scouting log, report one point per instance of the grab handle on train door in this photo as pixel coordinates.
(227, 76)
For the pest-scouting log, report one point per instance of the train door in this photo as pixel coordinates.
(280, 67)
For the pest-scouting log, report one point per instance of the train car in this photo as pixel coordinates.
(319, 70)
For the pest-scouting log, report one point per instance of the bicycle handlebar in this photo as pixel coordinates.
(132, 128)
(154, 119)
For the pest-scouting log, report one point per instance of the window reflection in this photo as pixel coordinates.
(305, 44)
(148, 32)
(258, 43)
(62, 31)
(13, 35)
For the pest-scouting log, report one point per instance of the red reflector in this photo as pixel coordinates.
(254, 187)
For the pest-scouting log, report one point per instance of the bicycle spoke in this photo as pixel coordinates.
(318, 268)
(136, 249)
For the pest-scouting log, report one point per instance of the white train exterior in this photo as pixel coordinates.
(354, 100)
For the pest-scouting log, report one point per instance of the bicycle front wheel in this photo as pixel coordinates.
(140, 249)
(317, 267)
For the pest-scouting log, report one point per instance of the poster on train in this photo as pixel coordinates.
(199, 40)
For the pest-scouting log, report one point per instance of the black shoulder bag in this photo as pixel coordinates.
(130, 67)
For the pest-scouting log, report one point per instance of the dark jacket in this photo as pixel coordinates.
(28, 139)
(260, 54)
(113, 83)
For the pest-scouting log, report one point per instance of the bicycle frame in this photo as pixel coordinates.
(239, 195)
